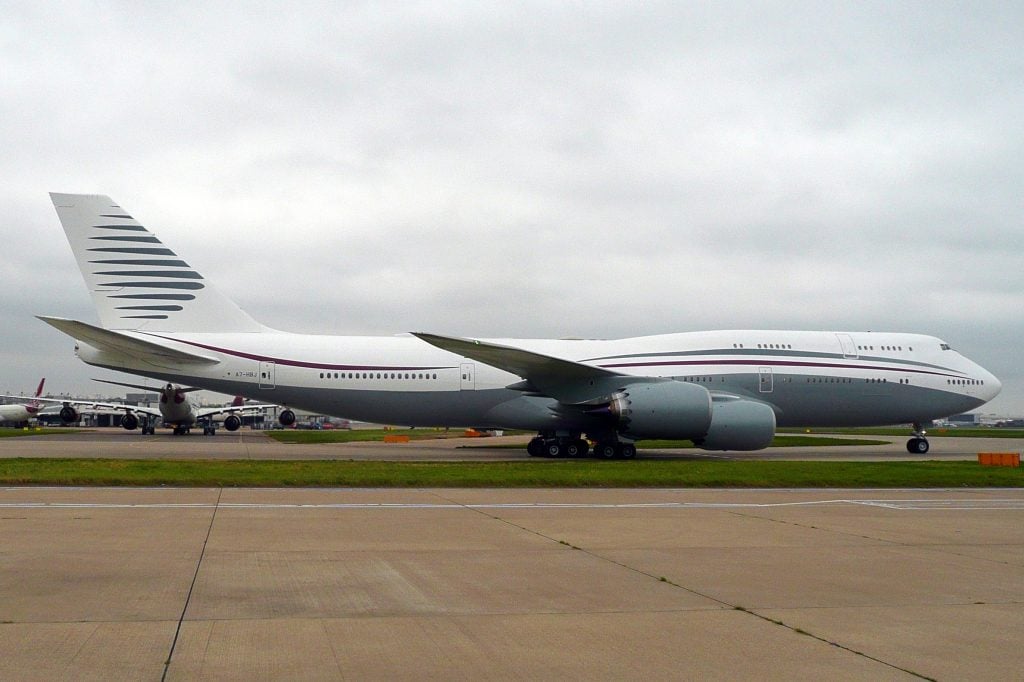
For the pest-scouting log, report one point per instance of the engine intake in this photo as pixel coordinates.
(129, 421)
(232, 422)
(69, 415)
(666, 409)
(286, 418)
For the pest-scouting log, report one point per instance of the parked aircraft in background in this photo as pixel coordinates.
(175, 411)
(19, 413)
(724, 390)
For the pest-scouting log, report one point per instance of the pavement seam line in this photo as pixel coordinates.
(192, 585)
(735, 607)
(892, 543)
(934, 547)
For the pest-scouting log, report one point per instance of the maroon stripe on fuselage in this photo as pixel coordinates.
(301, 363)
(617, 365)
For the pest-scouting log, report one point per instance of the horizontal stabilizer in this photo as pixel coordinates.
(564, 380)
(125, 344)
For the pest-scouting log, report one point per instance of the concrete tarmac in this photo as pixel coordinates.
(137, 583)
(100, 583)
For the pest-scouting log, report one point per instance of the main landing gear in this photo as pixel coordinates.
(918, 445)
(575, 446)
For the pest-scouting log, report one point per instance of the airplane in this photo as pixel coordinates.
(723, 390)
(19, 413)
(175, 410)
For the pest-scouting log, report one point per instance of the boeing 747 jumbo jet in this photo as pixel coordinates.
(724, 390)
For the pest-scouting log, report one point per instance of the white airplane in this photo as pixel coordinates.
(19, 413)
(724, 390)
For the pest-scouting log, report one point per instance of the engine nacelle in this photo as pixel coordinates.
(286, 418)
(69, 415)
(129, 422)
(232, 422)
(665, 409)
(739, 425)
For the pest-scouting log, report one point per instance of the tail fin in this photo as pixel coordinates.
(35, 404)
(136, 282)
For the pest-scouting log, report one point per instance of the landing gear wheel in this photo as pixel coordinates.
(554, 449)
(535, 448)
(606, 450)
(628, 451)
(577, 448)
(918, 446)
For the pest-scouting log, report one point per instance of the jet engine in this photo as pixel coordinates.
(287, 417)
(668, 409)
(69, 415)
(232, 422)
(129, 422)
(680, 410)
(738, 424)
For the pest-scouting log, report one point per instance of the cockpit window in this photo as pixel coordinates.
(945, 346)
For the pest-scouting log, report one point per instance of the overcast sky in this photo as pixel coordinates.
(529, 169)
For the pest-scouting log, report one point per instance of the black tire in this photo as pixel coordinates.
(628, 451)
(535, 448)
(607, 450)
(918, 446)
(554, 449)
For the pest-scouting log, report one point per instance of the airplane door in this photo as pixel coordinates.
(765, 383)
(266, 375)
(468, 381)
(849, 347)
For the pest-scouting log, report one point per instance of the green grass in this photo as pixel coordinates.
(540, 474)
(938, 432)
(293, 436)
(16, 433)
(783, 441)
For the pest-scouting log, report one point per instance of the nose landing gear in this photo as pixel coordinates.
(918, 445)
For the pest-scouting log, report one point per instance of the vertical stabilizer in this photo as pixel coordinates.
(136, 281)
(35, 404)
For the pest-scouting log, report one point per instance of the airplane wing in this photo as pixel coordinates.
(95, 405)
(564, 380)
(118, 342)
(204, 412)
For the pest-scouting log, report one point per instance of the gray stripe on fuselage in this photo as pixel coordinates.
(763, 352)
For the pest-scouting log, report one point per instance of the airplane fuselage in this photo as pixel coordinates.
(808, 378)
(17, 413)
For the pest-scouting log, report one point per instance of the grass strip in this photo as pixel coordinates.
(17, 433)
(540, 474)
(293, 437)
(904, 431)
(783, 441)
(297, 436)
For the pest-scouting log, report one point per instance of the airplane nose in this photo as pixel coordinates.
(992, 386)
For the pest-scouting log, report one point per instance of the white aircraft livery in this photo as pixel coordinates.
(724, 390)
(19, 413)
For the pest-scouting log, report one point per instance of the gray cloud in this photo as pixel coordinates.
(531, 169)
